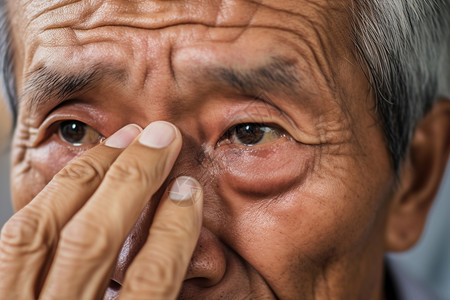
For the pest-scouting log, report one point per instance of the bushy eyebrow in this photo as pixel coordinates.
(44, 84)
(277, 75)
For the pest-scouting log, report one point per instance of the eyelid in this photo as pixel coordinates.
(274, 118)
(44, 129)
(300, 125)
(274, 122)
(282, 134)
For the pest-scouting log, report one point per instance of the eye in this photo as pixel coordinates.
(251, 134)
(78, 133)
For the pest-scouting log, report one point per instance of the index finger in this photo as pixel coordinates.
(29, 238)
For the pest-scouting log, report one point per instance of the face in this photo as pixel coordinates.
(277, 122)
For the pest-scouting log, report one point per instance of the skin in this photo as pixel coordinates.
(306, 214)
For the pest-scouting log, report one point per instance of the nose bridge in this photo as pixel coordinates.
(189, 161)
(195, 162)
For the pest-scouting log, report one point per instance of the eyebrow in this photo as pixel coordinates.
(44, 84)
(278, 75)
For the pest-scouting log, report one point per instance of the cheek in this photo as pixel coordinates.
(264, 191)
(291, 217)
(33, 168)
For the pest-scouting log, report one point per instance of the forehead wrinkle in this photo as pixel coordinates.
(140, 14)
(316, 27)
(34, 9)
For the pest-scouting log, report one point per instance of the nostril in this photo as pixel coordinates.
(200, 282)
(208, 264)
(205, 270)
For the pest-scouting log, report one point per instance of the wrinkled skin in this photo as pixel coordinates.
(301, 216)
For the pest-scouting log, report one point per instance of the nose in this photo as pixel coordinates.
(208, 264)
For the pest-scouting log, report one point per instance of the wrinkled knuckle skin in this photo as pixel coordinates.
(84, 241)
(157, 278)
(24, 234)
(133, 171)
(82, 170)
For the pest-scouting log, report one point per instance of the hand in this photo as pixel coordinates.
(64, 243)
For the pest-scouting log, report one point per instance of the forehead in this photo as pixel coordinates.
(148, 14)
(319, 24)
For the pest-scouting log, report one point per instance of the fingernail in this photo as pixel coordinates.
(124, 136)
(158, 135)
(184, 188)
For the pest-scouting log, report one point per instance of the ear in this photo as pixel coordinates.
(420, 178)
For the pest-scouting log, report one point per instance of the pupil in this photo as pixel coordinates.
(73, 131)
(249, 134)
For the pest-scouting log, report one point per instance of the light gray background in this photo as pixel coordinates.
(5, 204)
(429, 261)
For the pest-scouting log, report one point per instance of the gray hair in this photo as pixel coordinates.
(405, 46)
(402, 44)
(7, 80)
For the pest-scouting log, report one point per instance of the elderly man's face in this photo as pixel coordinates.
(277, 125)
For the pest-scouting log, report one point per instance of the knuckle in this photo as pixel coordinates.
(84, 169)
(84, 240)
(131, 170)
(157, 277)
(164, 268)
(26, 233)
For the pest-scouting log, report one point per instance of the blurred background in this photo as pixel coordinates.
(428, 262)
(5, 129)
